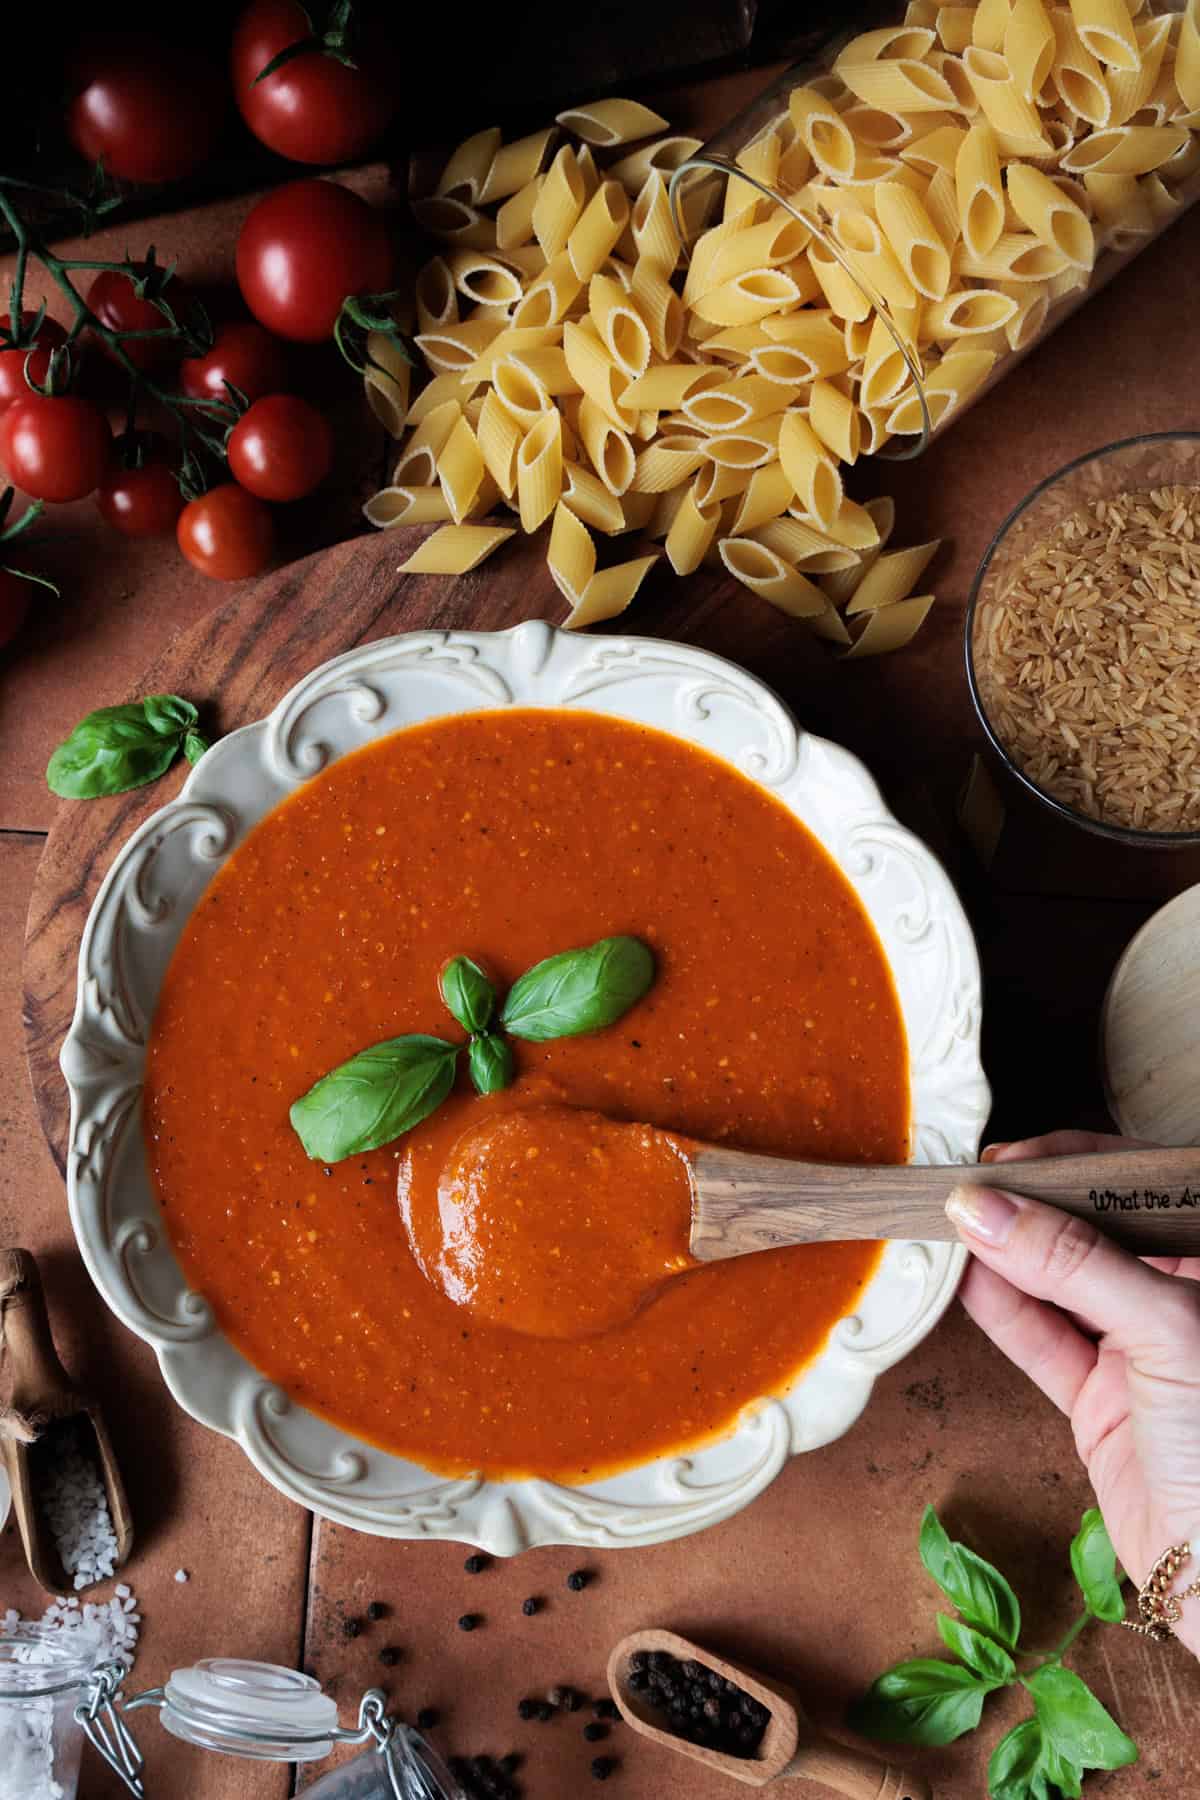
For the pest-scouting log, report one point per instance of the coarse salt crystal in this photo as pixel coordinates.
(180, 1575)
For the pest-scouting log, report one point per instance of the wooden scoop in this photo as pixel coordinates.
(41, 1399)
(791, 1748)
(1147, 1200)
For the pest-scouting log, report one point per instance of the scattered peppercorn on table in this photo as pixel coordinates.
(817, 1580)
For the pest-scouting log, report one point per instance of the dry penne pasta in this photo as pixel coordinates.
(514, 166)
(901, 225)
(766, 573)
(455, 549)
(539, 470)
(691, 533)
(466, 172)
(607, 123)
(588, 497)
(406, 505)
(891, 627)
(599, 226)
(891, 577)
(560, 201)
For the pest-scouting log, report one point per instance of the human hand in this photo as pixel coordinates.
(1113, 1340)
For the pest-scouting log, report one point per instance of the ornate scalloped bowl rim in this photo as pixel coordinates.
(156, 880)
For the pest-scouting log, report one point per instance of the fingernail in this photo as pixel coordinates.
(993, 1151)
(983, 1213)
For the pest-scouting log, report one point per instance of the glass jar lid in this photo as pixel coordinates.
(37, 1660)
(250, 1709)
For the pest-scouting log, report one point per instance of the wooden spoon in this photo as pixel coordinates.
(791, 1748)
(41, 1399)
(1147, 1200)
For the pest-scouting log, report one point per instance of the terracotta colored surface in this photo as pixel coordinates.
(819, 1580)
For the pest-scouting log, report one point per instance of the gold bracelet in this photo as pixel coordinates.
(1160, 1609)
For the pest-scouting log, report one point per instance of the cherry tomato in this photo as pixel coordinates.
(15, 595)
(314, 109)
(302, 250)
(142, 502)
(245, 356)
(226, 533)
(149, 110)
(117, 304)
(281, 448)
(55, 447)
(13, 385)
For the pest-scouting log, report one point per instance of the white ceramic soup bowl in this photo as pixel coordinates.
(159, 876)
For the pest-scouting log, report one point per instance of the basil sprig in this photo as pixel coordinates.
(931, 1701)
(122, 747)
(384, 1091)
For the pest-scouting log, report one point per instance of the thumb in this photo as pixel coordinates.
(1054, 1256)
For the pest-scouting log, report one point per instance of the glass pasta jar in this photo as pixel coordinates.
(892, 227)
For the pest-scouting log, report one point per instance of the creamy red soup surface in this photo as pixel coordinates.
(509, 836)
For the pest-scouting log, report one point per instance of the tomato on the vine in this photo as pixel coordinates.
(281, 448)
(15, 595)
(150, 111)
(144, 501)
(226, 533)
(13, 384)
(242, 355)
(313, 109)
(55, 446)
(303, 249)
(114, 299)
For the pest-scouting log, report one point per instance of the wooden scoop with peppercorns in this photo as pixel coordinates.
(745, 1725)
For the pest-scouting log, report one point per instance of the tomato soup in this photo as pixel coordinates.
(510, 836)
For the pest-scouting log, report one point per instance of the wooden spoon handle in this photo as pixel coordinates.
(37, 1374)
(853, 1774)
(1147, 1200)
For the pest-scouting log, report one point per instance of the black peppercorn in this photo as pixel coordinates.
(606, 1709)
(595, 1731)
(578, 1579)
(351, 1627)
(530, 1606)
(377, 1610)
(389, 1656)
(476, 1564)
(602, 1767)
(468, 1622)
(526, 1709)
(544, 1713)
(511, 1763)
(639, 1681)
(640, 1659)
(427, 1718)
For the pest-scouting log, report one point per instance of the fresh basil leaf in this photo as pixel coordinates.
(120, 747)
(490, 1060)
(1075, 1725)
(1095, 1564)
(167, 714)
(375, 1097)
(468, 993)
(979, 1653)
(108, 757)
(579, 990)
(979, 1591)
(920, 1702)
(1015, 1762)
(194, 746)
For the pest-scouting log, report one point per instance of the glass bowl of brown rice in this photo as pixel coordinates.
(1083, 641)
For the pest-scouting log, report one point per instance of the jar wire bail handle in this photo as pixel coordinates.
(105, 1729)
